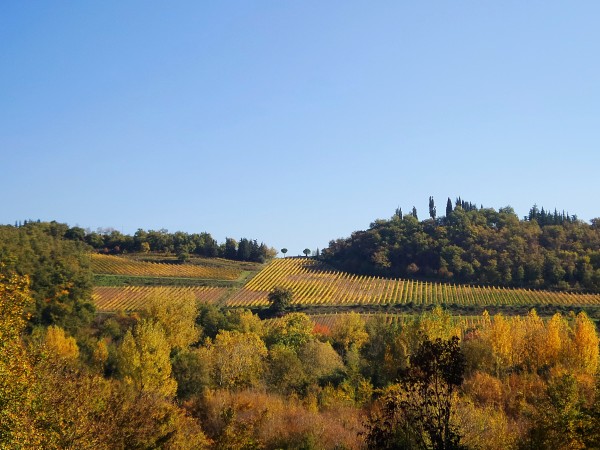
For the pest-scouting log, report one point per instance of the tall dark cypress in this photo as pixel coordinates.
(448, 207)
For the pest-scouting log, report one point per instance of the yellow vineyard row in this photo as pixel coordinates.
(115, 265)
(133, 298)
(312, 283)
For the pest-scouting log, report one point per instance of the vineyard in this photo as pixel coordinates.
(115, 265)
(313, 283)
(133, 298)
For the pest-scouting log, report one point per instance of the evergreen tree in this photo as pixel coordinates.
(243, 252)
(432, 212)
(414, 213)
(448, 207)
(254, 251)
(230, 251)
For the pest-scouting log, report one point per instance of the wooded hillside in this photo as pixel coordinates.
(477, 245)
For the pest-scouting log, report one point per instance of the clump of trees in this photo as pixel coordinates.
(58, 270)
(477, 245)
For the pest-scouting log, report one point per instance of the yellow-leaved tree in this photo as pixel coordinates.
(17, 428)
(236, 359)
(144, 359)
(585, 344)
(349, 330)
(60, 344)
(177, 315)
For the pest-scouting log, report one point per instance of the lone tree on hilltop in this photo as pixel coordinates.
(280, 299)
(306, 252)
(284, 251)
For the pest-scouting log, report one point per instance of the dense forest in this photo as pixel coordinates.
(477, 245)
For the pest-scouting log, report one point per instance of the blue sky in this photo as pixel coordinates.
(294, 122)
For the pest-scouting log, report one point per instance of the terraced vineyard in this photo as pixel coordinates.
(132, 298)
(315, 284)
(115, 265)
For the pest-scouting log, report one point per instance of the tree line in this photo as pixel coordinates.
(182, 244)
(473, 244)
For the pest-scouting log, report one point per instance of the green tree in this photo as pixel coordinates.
(230, 250)
(280, 299)
(386, 350)
(559, 420)
(285, 372)
(306, 252)
(448, 207)
(432, 212)
(414, 213)
(244, 250)
(293, 330)
(58, 269)
(191, 372)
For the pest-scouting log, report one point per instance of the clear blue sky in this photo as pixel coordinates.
(294, 122)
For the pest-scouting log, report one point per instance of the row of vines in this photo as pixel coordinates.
(133, 298)
(115, 265)
(313, 283)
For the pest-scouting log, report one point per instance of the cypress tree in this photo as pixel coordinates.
(432, 212)
(399, 213)
(414, 213)
(448, 207)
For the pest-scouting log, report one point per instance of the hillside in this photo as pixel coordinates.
(316, 285)
(317, 288)
(125, 283)
(477, 246)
